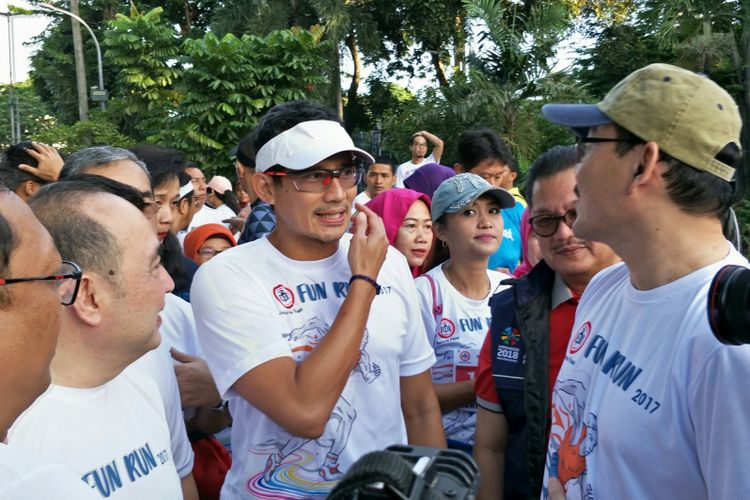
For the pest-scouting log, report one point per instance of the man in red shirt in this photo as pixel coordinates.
(531, 325)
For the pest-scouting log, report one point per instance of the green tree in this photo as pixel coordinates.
(230, 82)
(143, 50)
(34, 115)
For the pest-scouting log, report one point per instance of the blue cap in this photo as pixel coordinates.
(462, 190)
(579, 117)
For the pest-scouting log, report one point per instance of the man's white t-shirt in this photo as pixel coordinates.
(24, 477)
(114, 436)
(206, 215)
(456, 333)
(362, 198)
(407, 168)
(648, 404)
(253, 304)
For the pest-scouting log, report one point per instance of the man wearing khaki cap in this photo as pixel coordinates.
(646, 404)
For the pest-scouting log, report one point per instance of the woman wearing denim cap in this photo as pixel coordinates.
(466, 213)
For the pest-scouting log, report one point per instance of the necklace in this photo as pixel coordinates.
(448, 271)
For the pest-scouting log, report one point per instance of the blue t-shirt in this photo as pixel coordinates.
(509, 253)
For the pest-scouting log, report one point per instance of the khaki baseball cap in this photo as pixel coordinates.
(688, 115)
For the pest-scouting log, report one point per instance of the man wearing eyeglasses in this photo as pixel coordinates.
(647, 402)
(100, 417)
(531, 324)
(311, 333)
(32, 279)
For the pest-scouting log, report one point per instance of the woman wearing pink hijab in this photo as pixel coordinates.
(408, 225)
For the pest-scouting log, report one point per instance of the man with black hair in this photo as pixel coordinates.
(646, 403)
(418, 149)
(27, 166)
(380, 177)
(32, 279)
(529, 332)
(309, 331)
(484, 153)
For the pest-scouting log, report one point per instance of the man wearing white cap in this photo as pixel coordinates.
(646, 403)
(310, 332)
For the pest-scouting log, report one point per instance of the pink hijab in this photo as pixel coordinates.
(392, 206)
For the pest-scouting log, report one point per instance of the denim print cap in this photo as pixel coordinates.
(462, 190)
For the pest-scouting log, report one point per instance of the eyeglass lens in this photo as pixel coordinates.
(319, 180)
(546, 225)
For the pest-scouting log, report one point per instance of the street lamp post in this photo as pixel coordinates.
(14, 114)
(99, 94)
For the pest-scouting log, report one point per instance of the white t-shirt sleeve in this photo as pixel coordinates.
(418, 355)
(426, 305)
(235, 323)
(721, 406)
(24, 477)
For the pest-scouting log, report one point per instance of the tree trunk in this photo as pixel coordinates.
(459, 53)
(336, 97)
(81, 85)
(352, 100)
(439, 68)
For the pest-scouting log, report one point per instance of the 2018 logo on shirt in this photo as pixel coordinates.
(284, 296)
(580, 337)
(510, 336)
(446, 329)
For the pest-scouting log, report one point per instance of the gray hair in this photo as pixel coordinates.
(85, 160)
(77, 235)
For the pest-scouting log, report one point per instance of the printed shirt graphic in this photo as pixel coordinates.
(114, 436)
(285, 309)
(457, 339)
(635, 411)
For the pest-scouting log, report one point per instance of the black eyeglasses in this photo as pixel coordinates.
(546, 225)
(319, 179)
(67, 281)
(582, 149)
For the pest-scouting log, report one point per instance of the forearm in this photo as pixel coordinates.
(321, 377)
(189, 489)
(489, 452)
(437, 144)
(491, 465)
(424, 427)
(454, 395)
(302, 395)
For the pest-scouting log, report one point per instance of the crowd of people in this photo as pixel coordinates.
(169, 337)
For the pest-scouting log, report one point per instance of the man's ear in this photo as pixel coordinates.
(30, 187)
(263, 187)
(459, 168)
(92, 294)
(184, 205)
(649, 167)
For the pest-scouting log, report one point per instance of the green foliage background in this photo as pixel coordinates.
(197, 74)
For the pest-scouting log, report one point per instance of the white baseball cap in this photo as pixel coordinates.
(305, 144)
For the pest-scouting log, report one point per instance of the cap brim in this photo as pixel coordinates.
(503, 197)
(579, 117)
(308, 158)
